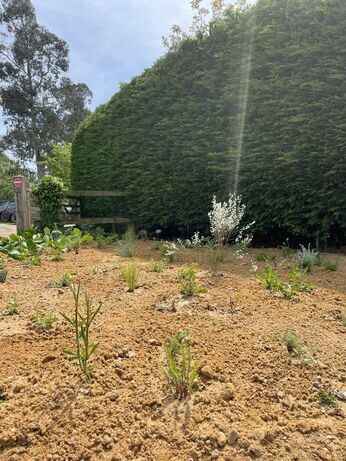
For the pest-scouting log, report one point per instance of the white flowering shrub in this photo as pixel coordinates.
(168, 250)
(225, 218)
(195, 241)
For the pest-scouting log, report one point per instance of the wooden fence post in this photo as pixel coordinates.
(23, 209)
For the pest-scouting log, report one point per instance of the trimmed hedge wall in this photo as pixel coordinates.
(169, 138)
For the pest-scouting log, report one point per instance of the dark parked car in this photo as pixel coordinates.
(9, 212)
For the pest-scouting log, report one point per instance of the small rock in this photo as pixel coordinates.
(227, 393)
(255, 451)
(154, 342)
(221, 440)
(233, 437)
(281, 394)
(48, 358)
(206, 372)
(341, 395)
(113, 396)
(214, 454)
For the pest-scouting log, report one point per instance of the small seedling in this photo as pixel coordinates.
(63, 282)
(13, 306)
(180, 371)
(129, 273)
(76, 240)
(287, 252)
(43, 321)
(57, 255)
(343, 322)
(326, 397)
(293, 344)
(81, 322)
(261, 256)
(3, 271)
(158, 266)
(189, 285)
(331, 266)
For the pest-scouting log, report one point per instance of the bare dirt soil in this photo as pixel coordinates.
(6, 229)
(254, 400)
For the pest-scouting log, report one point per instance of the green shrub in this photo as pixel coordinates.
(189, 286)
(308, 258)
(81, 322)
(76, 240)
(43, 321)
(49, 195)
(180, 371)
(158, 266)
(143, 234)
(129, 273)
(288, 289)
(326, 397)
(331, 266)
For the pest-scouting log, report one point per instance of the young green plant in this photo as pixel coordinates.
(3, 271)
(43, 321)
(13, 306)
(189, 286)
(180, 371)
(129, 273)
(81, 322)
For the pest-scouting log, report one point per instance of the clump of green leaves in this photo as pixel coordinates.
(49, 195)
(262, 256)
(295, 283)
(143, 234)
(157, 245)
(77, 239)
(158, 266)
(180, 371)
(189, 286)
(343, 321)
(287, 252)
(3, 271)
(216, 256)
(64, 281)
(307, 258)
(326, 397)
(81, 322)
(126, 246)
(13, 306)
(331, 266)
(43, 321)
(293, 344)
(129, 273)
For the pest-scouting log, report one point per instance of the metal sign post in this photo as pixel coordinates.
(22, 197)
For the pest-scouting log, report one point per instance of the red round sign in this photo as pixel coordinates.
(17, 182)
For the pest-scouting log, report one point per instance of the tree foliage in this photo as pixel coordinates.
(49, 195)
(58, 163)
(261, 94)
(8, 169)
(40, 104)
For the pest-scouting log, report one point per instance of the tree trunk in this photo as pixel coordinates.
(39, 166)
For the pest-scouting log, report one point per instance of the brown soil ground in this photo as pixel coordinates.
(253, 400)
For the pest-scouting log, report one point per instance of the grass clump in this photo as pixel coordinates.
(129, 273)
(189, 286)
(293, 344)
(262, 256)
(180, 371)
(3, 271)
(81, 322)
(158, 266)
(326, 397)
(13, 306)
(216, 256)
(126, 246)
(308, 258)
(331, 266)
(43, 321)
(64, 281)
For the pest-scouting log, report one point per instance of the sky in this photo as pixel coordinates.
(111, 40)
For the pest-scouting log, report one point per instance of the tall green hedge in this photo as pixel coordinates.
(169, 138)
